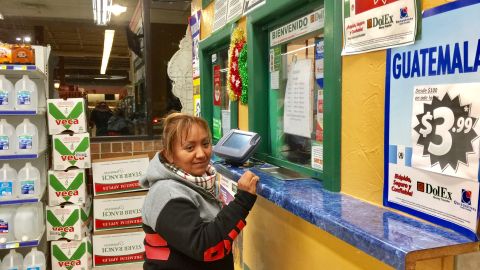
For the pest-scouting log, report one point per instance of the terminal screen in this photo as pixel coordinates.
(237, 141)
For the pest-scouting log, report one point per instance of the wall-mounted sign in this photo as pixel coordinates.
(251, 5)
(217, 86)
(235, 9)
(299, 27)
(194, 22)
(220, 14)
(432, 130)
(371, 25)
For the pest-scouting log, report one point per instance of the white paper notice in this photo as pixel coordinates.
(297, 118)
(235, 9)
(317, 156)
(220, 15)
(225, 121)
(275, 80)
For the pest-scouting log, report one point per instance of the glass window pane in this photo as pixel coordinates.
(220, 94)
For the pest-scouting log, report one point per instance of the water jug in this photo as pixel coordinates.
(6, 223)
(28, 180)
(8, 179)
(28, 222)
(7, 138)
(35, 260)
(27, 138)
(13, 261)
(26, 94)
(7, 94)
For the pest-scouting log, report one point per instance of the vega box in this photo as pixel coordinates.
(64, 222)
(119, 211)
(65, 115)
(71, 151)
(66, 186)
(118, 175)
(72, 255)
(118, 247)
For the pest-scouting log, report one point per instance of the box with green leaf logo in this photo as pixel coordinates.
(64, 222)
(66, 186)
(65, 115)
(72, 255)
(71, 151)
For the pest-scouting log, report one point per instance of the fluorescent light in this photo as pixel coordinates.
(1, 16)
(101, 11)
(27, 39)
(107, 48)
(56, 85)
(117, 9)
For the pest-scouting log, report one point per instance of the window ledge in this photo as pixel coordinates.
(394, 239)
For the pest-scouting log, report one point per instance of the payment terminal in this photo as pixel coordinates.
(237, 146)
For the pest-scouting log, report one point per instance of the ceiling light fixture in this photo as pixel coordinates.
(117, 9)
(1, 16)
(107, 48)
(27, 39)
(101, 11)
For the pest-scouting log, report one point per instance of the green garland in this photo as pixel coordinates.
(242, 69)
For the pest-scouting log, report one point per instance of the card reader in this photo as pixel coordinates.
(237, 146)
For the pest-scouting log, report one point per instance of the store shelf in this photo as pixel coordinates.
(32, 71)
(40, 111)
(19, 244)
(23, 201)
(23, 156)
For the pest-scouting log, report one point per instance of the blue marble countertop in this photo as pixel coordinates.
(379, 232)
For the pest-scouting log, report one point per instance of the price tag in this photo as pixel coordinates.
(445, 129)
(12, 245)
(3, 67)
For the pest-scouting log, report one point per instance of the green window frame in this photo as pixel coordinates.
(216, 41)
(259, 22)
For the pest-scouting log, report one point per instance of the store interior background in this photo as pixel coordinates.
(77, 47)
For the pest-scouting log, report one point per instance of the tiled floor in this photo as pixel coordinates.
(132, 266)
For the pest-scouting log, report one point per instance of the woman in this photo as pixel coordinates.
(185, 224)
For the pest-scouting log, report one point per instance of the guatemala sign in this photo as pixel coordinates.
(432, 132)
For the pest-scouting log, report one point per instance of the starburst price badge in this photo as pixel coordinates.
(445, 129)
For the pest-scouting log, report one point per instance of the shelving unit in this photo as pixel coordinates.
(39, 74)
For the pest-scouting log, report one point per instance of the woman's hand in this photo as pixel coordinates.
(248, 182)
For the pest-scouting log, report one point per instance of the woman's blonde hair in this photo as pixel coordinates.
(177, 126)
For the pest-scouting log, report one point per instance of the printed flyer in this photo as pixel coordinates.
(370, 25)
(432, 132)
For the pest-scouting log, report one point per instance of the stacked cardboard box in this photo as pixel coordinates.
(68, 213)
(117, 210)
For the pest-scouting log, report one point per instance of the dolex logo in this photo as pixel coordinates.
(61, 119)
(404, 13)
(381, 22)
(67, 155)
(66, 262)
(421, 186)
(466, 196)
(441, 192)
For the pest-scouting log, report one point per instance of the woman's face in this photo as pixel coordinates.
(193, 154)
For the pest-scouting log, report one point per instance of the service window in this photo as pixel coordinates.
(221, 112)
(296, 91)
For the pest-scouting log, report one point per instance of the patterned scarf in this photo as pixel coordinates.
(207, 181)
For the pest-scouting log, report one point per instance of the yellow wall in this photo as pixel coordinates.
(277, 239)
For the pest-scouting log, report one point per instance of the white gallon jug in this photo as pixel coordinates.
(27, 138)
(13, 261)
(8, 180)
(28, 222)
(35, 260)
(26, 94)
(7, 138)
(7, 94)
(28, 180)
(6, 223)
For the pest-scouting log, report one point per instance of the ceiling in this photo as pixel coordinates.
(68, 27)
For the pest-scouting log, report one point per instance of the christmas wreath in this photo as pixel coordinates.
(237, 82)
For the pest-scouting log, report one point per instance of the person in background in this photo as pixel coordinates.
(118, 125)
(99, 118)
(186, 224)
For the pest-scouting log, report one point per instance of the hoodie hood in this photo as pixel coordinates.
(156, 171)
